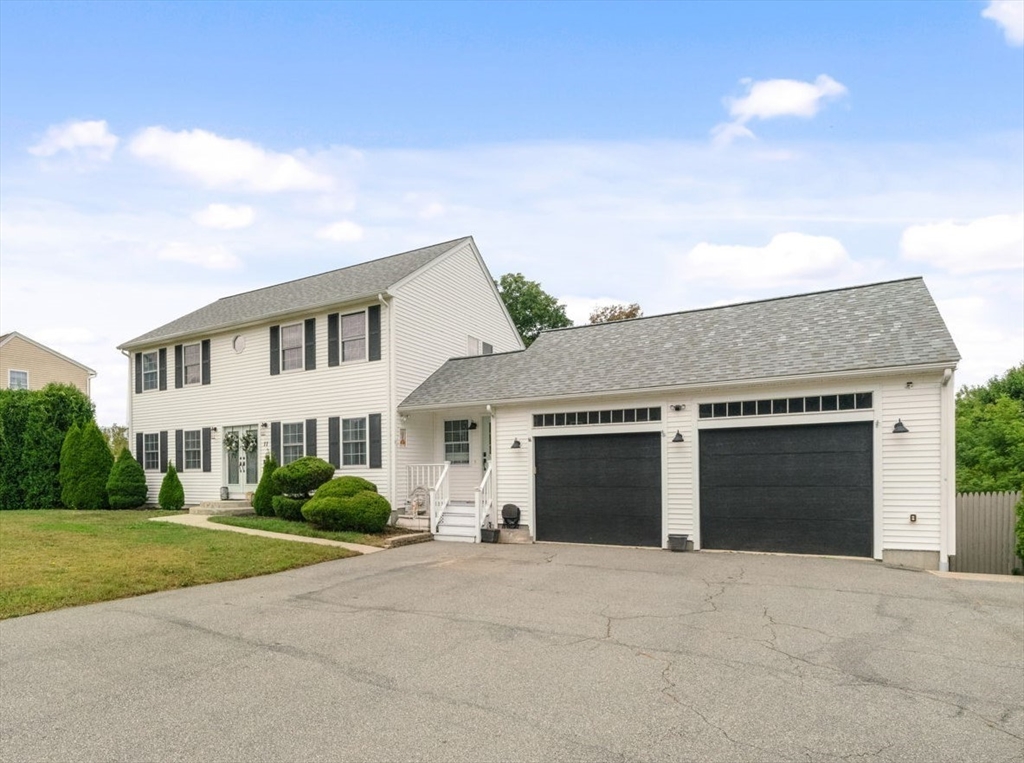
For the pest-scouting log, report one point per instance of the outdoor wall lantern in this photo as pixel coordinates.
(678, 437)
(472, 425)
(678, 407)
(516, 444)
(899, 428)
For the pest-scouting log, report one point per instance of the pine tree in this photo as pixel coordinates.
(70, 457)
(126, 487)
(172, 494)
(262, 501)
(94, 465)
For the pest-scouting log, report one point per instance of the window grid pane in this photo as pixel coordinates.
(847, 401)
(291, 347)
(456, 441)
(150, 368)
(193, 364)
(151, 452)
(353, 442)
(353, 337)
(18, 379)
(193, 449)
(291, 442)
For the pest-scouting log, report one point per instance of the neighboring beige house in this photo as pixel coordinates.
(27, 364)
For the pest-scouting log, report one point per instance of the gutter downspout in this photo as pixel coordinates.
(131, 420)
(947, 440)
(392, 402)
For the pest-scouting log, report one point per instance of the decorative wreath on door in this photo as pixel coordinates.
(231, 441)
(249, 441)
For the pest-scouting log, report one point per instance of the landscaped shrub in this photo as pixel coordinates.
(172, 494)
(288, 508)
(344, 487)
(70, 459)
(93, 470)
(263, 499)
(366, 512)
(126, 486)
(302, 476)
(34, 424)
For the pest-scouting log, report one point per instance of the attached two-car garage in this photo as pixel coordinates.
(795, 489)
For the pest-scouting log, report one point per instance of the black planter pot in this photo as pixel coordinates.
(489, 534)
(677, 542)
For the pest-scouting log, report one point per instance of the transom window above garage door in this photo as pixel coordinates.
(578, 418)
(849, 401)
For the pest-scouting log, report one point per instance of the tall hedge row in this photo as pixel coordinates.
(33, 424)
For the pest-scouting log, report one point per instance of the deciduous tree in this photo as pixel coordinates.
(610, 313)
(532, 309)
(990, 434)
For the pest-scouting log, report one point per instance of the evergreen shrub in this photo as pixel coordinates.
(263, 499)
(172, 494)
(126, 486)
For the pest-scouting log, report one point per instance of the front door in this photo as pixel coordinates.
(241, 456)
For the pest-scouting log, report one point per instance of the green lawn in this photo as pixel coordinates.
(54, 559)
(276, 525)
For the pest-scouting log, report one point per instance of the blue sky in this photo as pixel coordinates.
(154, 157)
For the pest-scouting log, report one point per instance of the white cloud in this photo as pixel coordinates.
(226, 163)
(773, 98)
(225, 216)
(210, 257)
(64, 335)
(1008, 14)
(92, 139)
(990, 243)
(343, 230)
(788, 258)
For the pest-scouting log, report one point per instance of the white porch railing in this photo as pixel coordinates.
(485, 502)
(439, 497)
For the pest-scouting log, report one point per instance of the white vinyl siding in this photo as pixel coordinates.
(241, 394)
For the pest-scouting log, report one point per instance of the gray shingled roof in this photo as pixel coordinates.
(331, 288)
(885, 325)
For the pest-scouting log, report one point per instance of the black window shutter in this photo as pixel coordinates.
(310, 437)
(163, 368)
(206, 361)
(140, 456)
(333, 356)
(375, 449)
(163, 450)
(178, 375)
(275, 350)
(310, 344)
(334, 441)
(207, 440)
(138, 373)
(275, 440)
(488, 349)
(179, 449)
(373, 332)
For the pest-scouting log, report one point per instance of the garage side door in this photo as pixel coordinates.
(599, 489)
(801, 489)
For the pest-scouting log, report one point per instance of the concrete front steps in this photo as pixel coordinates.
(222, 508)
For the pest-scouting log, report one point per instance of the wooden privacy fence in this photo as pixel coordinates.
(984, 533)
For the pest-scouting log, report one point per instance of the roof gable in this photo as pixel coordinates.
(5, 338)
(887, 325)
(335, 287)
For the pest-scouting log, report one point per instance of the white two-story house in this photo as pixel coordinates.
(315, 366)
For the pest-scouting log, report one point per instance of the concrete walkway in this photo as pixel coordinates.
(203, 521)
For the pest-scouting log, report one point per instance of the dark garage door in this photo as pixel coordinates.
(599, 489)
(802, 489)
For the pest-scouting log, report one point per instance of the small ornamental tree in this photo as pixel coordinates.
(295, 481)
(263, 499)
(94, 464)
(70, 459)
(172, 494)
(126, 486)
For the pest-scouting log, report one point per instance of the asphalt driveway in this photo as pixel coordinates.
(445, 651)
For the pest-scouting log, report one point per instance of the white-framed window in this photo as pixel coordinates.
(150, 370)
(456, 441)
(353, 337)
(17, 379)
(192, 358)
(151, 452)
(353, 442)
(193, 449)
(291, 347)
(292, 442)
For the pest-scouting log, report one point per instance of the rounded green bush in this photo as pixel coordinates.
(263, 500)
(172, 494)
(302, 476)
(288, 508)
(366, 511)
(126, 486)
(344, 487)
